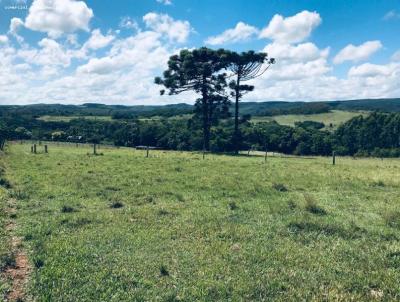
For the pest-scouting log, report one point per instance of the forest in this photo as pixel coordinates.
(375, 135)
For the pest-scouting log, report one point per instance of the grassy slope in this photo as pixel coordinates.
(5, 256)
(336, 117)
(218, 227)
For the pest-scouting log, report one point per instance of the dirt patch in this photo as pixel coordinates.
(19, 270)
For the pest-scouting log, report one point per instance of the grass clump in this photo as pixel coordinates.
(68, 209)
(116, 205)
(233, 206)
(163, 271)
(392, 219)
(279, 187)
(312, 206)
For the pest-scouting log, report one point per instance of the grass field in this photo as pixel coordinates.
(174, 227)
(60, 118)
(335, 117)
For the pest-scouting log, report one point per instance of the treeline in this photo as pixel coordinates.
(253, 108)
(375, 135)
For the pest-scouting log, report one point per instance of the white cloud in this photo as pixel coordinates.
(176, 30)
(357, 53)
(15, 25)
(304, 52)
(396, 56)
(56, 17)
(373, 70)
(62, 71)
(295, 62)
(291, 29)
(128, 22)
(391, 15)
(165, 2)
(3, 39)
(241, 32)
(97, 40)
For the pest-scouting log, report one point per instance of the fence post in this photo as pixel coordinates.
(204, 153)
(34, 148)
(266, 155)
(45, 149)
(31, 149)
(94, 149)
(147, 151)
(333, 158)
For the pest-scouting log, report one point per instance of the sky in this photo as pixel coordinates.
(96, 51)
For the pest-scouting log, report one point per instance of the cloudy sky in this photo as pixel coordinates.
(69, 51)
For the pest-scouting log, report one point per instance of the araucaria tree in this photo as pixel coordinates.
(244, 67)
(198, 70)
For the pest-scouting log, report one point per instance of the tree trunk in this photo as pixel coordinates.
(206, 125)
(236, 131)
(206, 120)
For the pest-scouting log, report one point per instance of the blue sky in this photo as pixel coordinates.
(71, 51)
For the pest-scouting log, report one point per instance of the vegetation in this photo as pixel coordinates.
(244, 67)
(331, 120)
(356, 137)
(174, 227)
(199, 70)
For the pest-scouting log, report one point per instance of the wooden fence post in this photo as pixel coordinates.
(94, 149)
(31, 149)
(45, 149)
(266, 155)
(333, 158)
(34, 148)
(147, 151)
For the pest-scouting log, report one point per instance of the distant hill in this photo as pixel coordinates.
(252, 108)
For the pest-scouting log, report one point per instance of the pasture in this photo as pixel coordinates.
(175, 227)
(335, 117)
(68, 118)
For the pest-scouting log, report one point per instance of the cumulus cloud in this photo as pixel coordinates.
(373, 70)
(241, 32)
(60, 70)
(3, 39)
(292, 29)
(296, 62)
(15, 25)
(357, 53)
(97, 40)
(56, 17)
(176, 30)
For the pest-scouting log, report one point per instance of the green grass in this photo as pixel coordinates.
(60, 118)
(174, 227)
(6, 257)
(335, 117)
